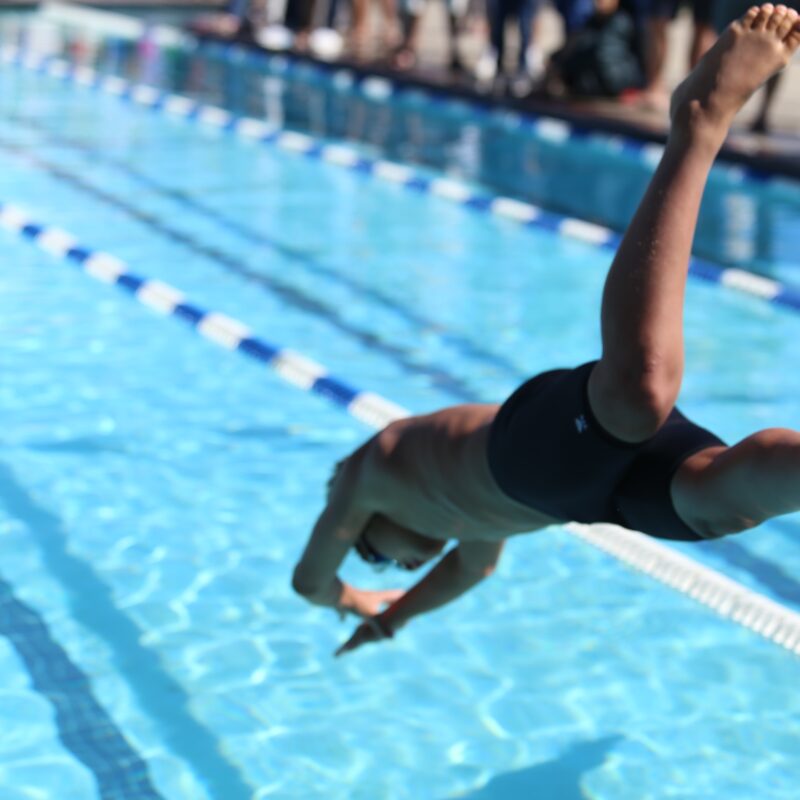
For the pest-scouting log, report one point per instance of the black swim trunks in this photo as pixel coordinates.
(547, 450)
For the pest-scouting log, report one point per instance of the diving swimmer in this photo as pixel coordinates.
(602, 442)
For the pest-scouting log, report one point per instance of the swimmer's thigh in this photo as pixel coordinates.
(723, 490)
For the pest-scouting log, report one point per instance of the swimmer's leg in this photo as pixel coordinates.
(725, 490)
(635, 385)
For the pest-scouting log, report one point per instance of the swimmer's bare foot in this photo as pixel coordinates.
(751, 50)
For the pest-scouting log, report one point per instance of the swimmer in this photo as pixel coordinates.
(599, 443)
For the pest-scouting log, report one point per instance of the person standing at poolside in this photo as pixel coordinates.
(599, 443)
(659, 15)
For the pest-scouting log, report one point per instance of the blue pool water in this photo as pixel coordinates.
(156, 491)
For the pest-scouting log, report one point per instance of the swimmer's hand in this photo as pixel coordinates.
(365, 603)
(373, 629)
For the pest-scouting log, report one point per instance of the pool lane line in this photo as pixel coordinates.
(414, 180)
(754, 611)
(305, 259)
(289, 294)
(729, 550)
(90, 603)
(84, 727)
(378, 89)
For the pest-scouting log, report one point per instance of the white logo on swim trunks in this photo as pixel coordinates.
(581, 424)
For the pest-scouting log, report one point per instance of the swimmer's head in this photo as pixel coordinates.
(384, 544)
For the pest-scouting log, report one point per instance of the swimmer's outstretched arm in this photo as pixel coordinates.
(457, 572)
(344, 518)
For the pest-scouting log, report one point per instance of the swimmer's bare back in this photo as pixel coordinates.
(431, 474)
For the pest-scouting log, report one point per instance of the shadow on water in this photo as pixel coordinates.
(559, 779)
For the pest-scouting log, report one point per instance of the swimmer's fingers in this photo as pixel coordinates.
(388, 597)
(363, 635)
(371, 630)
(367, 604)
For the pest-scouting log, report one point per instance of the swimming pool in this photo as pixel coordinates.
(156, 492)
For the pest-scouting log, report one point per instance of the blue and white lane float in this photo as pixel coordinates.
(758, 613)
(292, 367)
(350, 158)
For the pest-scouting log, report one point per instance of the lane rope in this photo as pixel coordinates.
(351, 159)
(754, 611)
(221, 329)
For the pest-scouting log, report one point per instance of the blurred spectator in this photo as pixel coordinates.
(405, 56)
(574, 14)
(332, 14)
(359, 27)
(298, 19)
(491, 67)
(599, 59)
(530, 60)
(638, 11)
(235, 22)
(659, 15)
